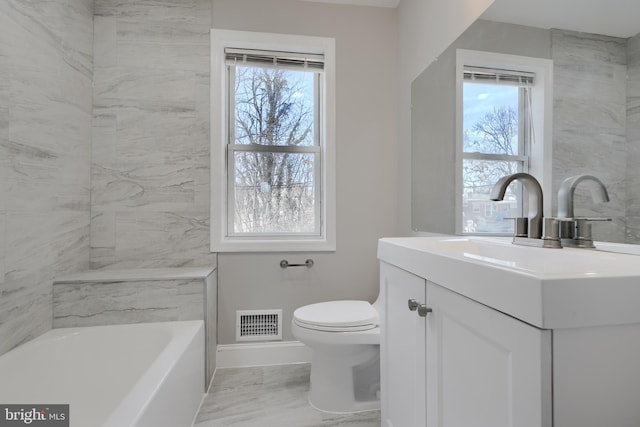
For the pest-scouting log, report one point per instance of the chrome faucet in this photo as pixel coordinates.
(568, 188)
(574, 231)
(535, 199)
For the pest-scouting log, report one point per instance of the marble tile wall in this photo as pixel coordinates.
(46, 63)
(123, 302)
(150, 158)
(633, 139)
(590, 113)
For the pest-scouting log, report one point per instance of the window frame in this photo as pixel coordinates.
(222, 238)
(539, 154)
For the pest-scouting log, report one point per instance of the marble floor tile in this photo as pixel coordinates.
(269, 396)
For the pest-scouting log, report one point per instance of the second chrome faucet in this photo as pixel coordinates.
(574, 231)
(565, 229)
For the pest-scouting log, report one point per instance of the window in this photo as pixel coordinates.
(273, 189)
(273, 143)
(503, 105)
(496, 134)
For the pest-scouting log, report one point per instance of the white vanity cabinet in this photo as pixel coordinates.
(402, 349)
(462, 364)
(511, 336)
(484, 368)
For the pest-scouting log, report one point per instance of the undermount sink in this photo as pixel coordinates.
(549, 288)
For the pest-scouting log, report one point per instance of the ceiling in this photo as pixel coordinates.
(609, 17)
(620, 18)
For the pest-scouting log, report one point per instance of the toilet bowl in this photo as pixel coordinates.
(344, 337)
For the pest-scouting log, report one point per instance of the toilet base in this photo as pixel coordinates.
(346, 379)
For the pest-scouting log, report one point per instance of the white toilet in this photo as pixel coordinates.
(344, 337)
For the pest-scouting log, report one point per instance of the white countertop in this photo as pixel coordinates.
(548, 288)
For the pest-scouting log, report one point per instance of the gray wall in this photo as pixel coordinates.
(46, 57)
(150, 159)
(366, 69)
(633, 139)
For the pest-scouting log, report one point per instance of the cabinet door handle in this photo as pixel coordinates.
(423, 310)
(414, 305)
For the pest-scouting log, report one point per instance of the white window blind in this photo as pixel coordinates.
(275, 59)
(497, 76)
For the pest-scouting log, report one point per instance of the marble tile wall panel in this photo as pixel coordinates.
(633, 139)
(154, 239)
(211, 316)
(150, 158)
(25, 308)
(46, 72)
(4, 139)
(3, 227)
(174, 21)
(110, 303)
(590, 121)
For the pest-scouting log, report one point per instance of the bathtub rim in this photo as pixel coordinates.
(162, 367)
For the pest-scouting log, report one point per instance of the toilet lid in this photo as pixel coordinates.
(337, 316)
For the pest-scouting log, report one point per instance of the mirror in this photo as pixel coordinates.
(595, 48)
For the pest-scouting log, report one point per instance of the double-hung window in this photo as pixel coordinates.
(504, 127)
(496, 139)
(276, 143)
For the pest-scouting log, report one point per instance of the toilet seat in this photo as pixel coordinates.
(337, 316)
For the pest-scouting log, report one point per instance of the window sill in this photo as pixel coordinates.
(280, 245)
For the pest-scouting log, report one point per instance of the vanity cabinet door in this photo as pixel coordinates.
(402, 349)
(484, 368)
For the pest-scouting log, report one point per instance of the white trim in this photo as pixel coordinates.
(252, 40)
(274, 353)
(540, 149)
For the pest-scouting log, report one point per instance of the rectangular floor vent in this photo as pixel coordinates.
(258, 325)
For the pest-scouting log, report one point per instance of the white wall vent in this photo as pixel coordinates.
(258, 325)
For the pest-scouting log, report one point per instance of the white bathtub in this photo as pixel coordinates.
(148, 374)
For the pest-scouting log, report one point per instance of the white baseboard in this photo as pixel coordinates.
(260, 354)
